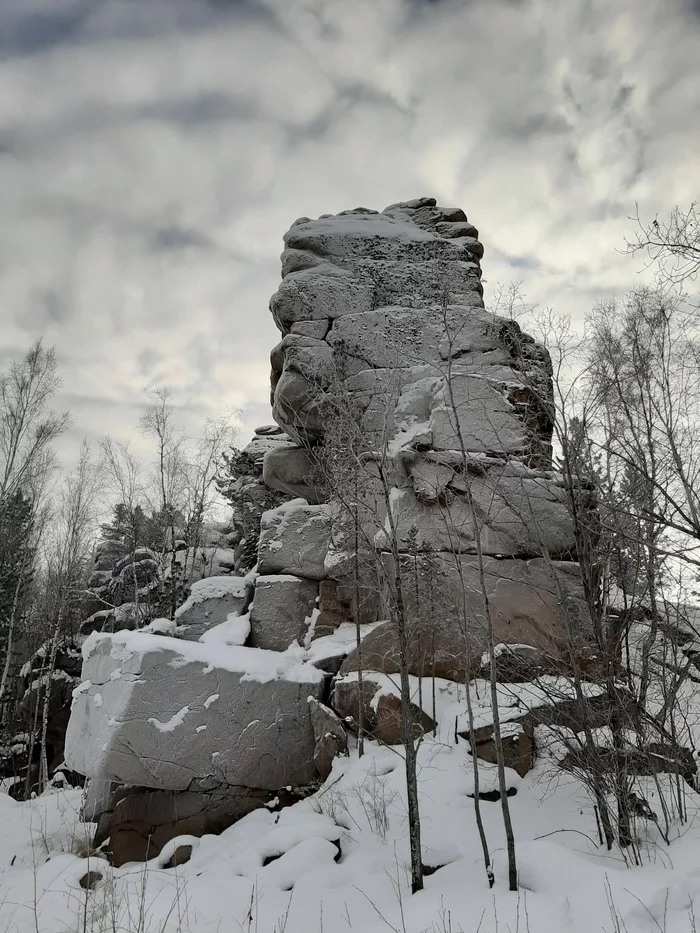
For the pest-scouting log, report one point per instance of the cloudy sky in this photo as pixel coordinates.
(153, 152)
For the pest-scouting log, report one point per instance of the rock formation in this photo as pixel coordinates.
(457, 403)
(440, 414)
(241, 482)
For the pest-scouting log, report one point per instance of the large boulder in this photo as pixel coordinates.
(292, 470)
(160, 712)
(402, 291)
(532, 602)
(518, 511)
(211, 602)
(142, 821)
(517, 748)
(281, 611)
(454, 407)
(295, 539)
(498, 411)
(379, 709)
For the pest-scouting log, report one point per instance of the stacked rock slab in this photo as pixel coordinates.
(246, 490)
(186, 732)
(386, 308)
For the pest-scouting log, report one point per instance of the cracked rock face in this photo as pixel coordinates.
(386, 308)
(158, 712)
(394, 300)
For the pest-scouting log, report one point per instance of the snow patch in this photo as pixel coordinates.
(234, 631)
(213, 588)
(172, 723)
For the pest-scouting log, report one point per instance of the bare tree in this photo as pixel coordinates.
(358, 472)
(644, 368)
(28, 429)
(200, 460)
(626, 432)
(158, 422)
(68, 551)
(164, 504)
(123, 472)
(672, 244)
(456, 425)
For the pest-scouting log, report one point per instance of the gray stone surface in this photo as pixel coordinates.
(345, 599)
(531, 601)
(317, 329)
(302, 368)
(498, 411)
(268, 430)
(436, 648)
(291, 470)
(230, 595)
(433, 379)
(401, 290)
(381, 711)
(399, 338)
(143, 821)
(281, 611)
(518, 511)
(517, 748)
(295, 539)
(162, 713)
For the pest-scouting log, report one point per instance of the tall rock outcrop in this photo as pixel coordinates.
(416, 444)
(383, 322)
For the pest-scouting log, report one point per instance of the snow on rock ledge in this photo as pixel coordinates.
(159, 712)
(210, 603)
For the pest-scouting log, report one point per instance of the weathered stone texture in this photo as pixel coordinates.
(157, 712)
(295, 539)
(281, 611)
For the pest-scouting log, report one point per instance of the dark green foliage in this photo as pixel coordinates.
(17, 565)
(134, 528)
(16, 551)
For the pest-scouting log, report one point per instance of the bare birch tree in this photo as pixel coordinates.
(671, 244)
(358, 472)
(68, 552)
(28, 430)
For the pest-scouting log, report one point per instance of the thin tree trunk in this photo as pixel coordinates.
(11, 634)
(358, 634)
(407, 720)
(498, 741)
(477, 784)
(43, 761)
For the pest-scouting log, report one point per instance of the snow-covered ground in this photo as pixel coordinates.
(277, 872)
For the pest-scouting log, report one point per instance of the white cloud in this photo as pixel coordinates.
(153, 154)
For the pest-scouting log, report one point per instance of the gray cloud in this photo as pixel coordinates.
(153, 154)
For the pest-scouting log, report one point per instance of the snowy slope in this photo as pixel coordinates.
(568, 883)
